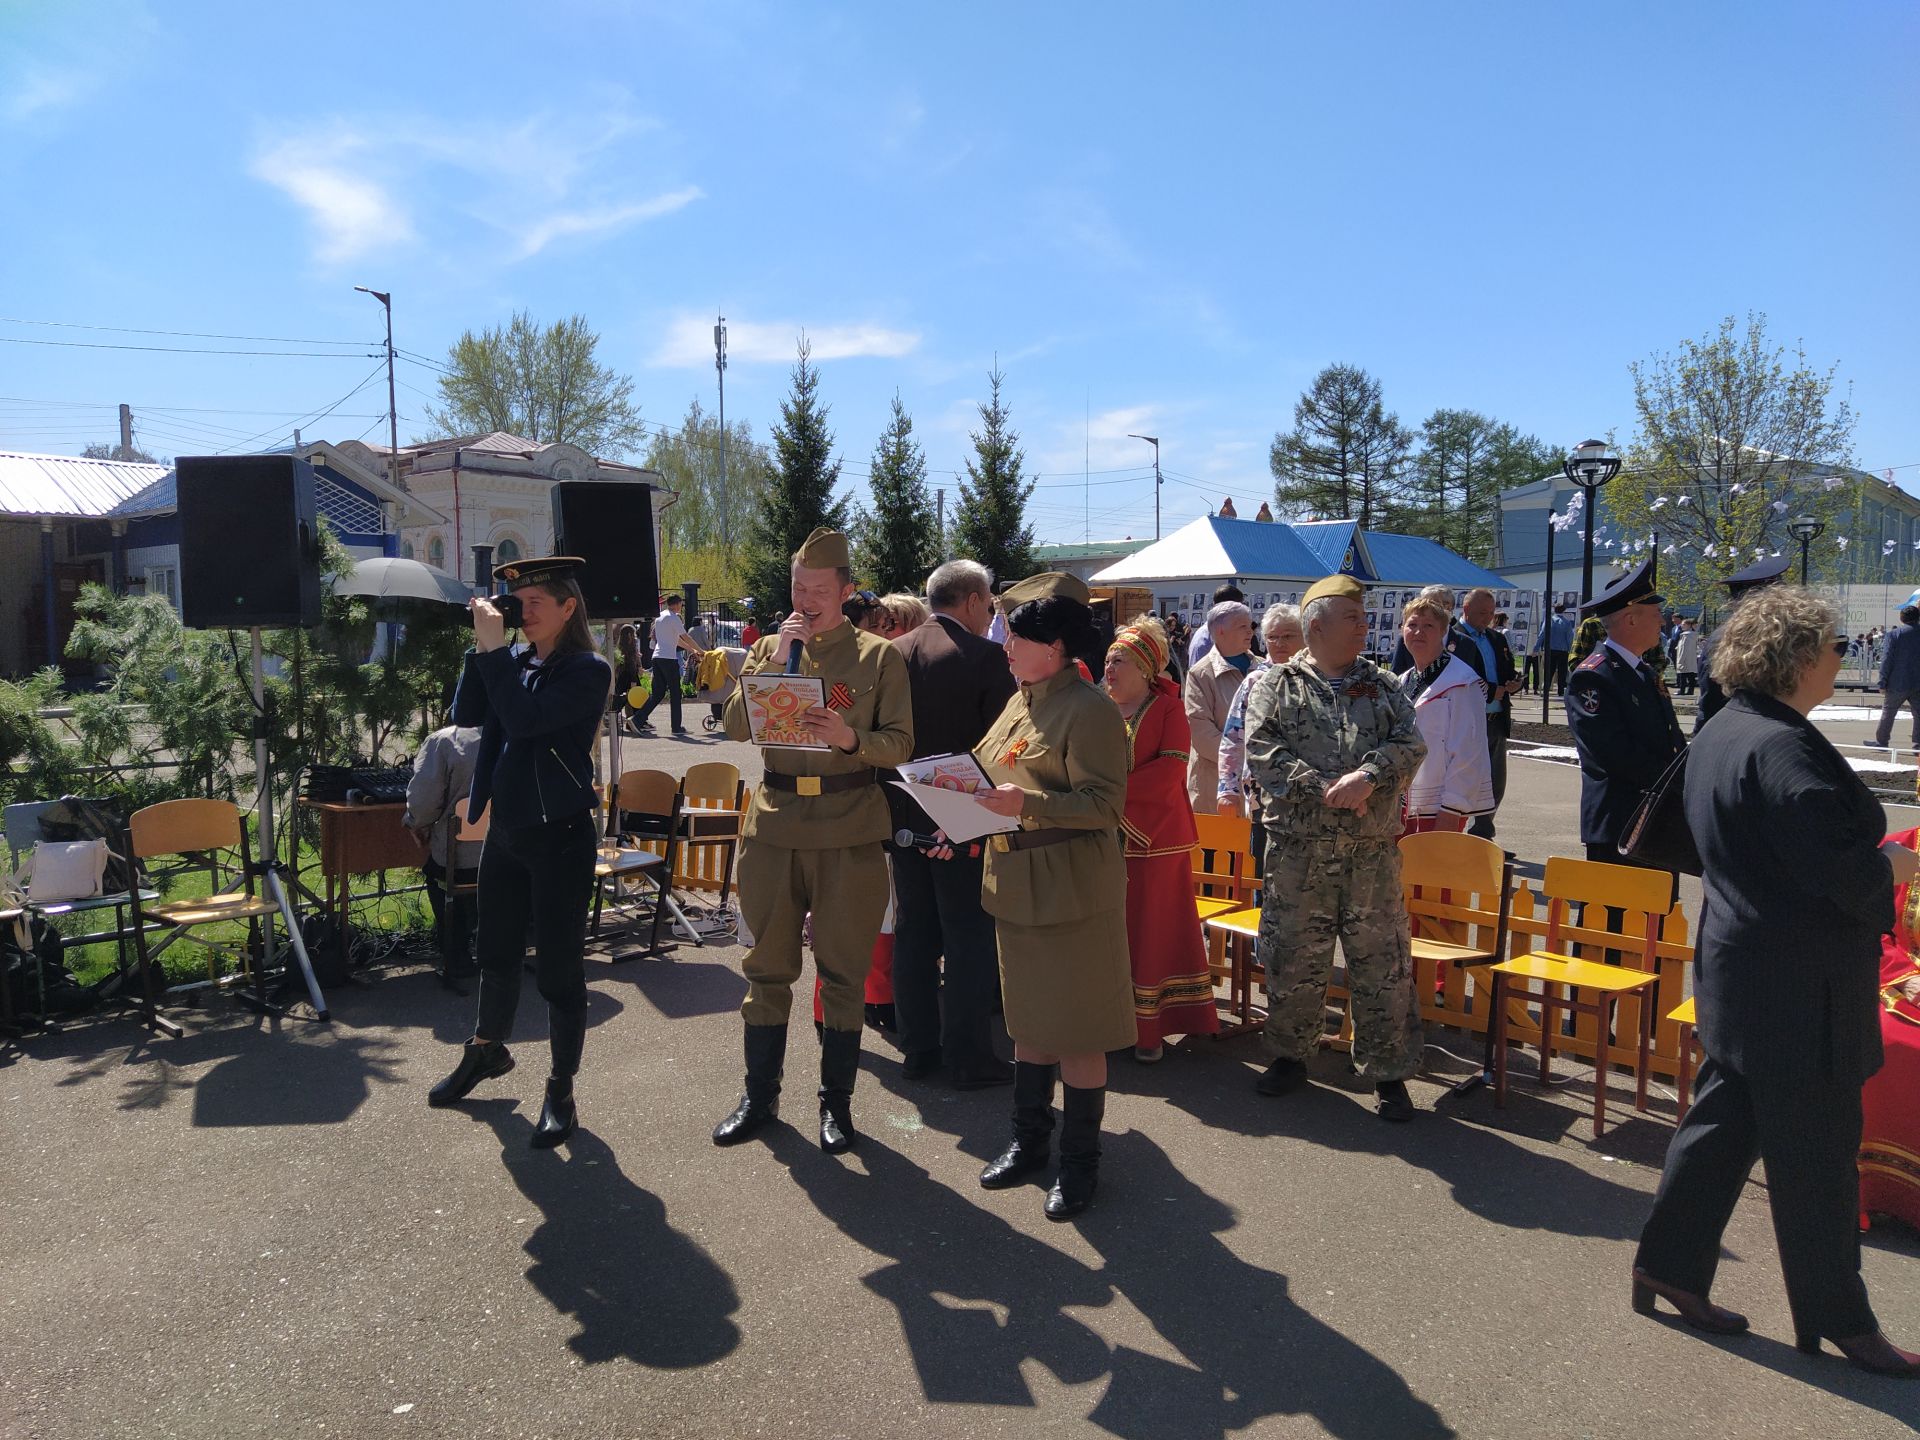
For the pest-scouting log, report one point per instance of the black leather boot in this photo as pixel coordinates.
(1081, 1112)
(557, 1114)
(1032, 1128)
(766, 1047)
(839, 1068)
(477, 1062)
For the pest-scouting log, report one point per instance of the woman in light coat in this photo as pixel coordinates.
(1455, 781)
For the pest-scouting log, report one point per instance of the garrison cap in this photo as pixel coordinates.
(540, 569)
(1342, 587)
(1048, 583)
(1765, 572)
(824, 549)
(1633, 588)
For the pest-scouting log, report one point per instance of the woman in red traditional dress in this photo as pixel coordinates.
(1890, 1104)
(1172, 988)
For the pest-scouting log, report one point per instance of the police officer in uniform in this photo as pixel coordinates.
(813, 835)
(1739, 585)
(1622, 720)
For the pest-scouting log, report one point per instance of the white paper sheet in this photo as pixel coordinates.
(960, 815)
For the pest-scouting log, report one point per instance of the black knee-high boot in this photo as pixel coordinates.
(766, 1047)
(839, 1068)
(1032, 1128)
(1082, 1111)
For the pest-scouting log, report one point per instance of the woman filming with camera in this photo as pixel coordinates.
(538, 706)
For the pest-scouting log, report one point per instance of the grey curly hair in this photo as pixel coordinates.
(1770, 640)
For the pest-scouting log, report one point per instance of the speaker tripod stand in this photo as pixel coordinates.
(267, 866)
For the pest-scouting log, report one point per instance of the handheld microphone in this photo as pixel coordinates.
(793, 660)
(907, 840)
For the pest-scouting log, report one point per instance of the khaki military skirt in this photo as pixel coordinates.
(1068, 989)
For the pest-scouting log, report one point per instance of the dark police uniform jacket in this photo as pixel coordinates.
(536, 733)
(1625, 729)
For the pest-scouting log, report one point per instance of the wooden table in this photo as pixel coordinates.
(359, 840)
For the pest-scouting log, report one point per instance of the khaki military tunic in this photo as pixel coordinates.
(1061, 909)
(822, 853)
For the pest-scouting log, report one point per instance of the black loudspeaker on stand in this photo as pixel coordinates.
(609, 525)
(250, 558)
(249, 541)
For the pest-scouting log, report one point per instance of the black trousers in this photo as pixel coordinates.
(538, 878)
(666, 685)
(937, 912)
(452, 918)
(1498, 727)
(1807, 1131)
(1556, 676)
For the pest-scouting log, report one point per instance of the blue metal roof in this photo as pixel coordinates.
(1329, 540)
(1411, 560)
(1265, 547)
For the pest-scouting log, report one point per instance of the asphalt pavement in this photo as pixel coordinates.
(262, 1229)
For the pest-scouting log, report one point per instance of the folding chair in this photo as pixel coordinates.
(1592, 884)
(201, 832)
(1442, 876)
(21, 822)
(713, 804)
(646, 808)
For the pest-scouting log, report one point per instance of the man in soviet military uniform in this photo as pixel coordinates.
(1622, 721)
(812, 840)
(1332, 740)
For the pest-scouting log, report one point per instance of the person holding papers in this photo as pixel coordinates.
(1172, 988)
(813, 833)
(1056, 886)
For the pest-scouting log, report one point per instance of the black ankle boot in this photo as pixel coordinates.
(839, 1068)
(478, 1062)
(766, 1047)
(557, 1115)
(1081, 1111)
(1032, 1128)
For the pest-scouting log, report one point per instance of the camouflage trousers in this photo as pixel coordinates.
(1326, 889)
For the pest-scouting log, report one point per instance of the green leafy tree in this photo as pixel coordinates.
(800, 496)
(1736, 437)
(709, 515)
(990, 522)
(898, 539)
(539, 382)
(1345, 456)
(102, 451)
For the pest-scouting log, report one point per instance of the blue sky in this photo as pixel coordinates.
(1160, 219)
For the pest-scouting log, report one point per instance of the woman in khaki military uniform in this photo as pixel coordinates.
(1057, 887)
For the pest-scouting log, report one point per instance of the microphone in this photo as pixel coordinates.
(907, 840)
(793, 658)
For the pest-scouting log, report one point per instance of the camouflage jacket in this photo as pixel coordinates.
(1301, 737)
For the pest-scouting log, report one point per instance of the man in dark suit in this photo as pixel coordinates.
(959, 682)
(1622, 721)
(1900, 677)
(1475, 641)
(1740, 584)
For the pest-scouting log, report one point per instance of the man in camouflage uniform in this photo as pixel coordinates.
(1331, 739)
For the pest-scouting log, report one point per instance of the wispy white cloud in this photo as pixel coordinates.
(373, 184)
(605, 220)
(688, 342)
(38, 89)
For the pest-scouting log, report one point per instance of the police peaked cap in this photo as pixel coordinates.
(1633, 588)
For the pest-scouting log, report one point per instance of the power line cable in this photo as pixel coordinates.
(310, 417)
(192, 349)
(183, 334)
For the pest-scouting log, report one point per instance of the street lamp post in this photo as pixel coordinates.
(1589, 467)
(1153, 440)
(1806, 529)
(393, 410)
(1546, 623)
(720, 368)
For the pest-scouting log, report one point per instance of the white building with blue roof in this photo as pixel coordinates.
(1274, 562)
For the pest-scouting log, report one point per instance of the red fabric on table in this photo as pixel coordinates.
(1890, 1135)
(1172, 989)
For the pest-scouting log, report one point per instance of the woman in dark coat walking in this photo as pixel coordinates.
(1799, 890)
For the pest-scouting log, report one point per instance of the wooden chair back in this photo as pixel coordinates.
(1632, 903)
(712, 785)
(1458, 890)
(644, 792)
(1222, 864)
(706, 862)
(472, 832)
(178, 827)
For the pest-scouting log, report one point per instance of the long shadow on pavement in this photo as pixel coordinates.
(1247, 1351)
(605, 1253)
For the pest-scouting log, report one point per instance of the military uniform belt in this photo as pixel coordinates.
(820, 784)
(1034, 839)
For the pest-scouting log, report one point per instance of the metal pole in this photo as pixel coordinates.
(1805, 541)
(393, 407)
(1586, 556)
(720, 366)
(1546, 623)
(1156, 489)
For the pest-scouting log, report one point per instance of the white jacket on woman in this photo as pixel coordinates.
(1456, 778)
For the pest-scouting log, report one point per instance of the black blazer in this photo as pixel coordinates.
(1624, 728)
(959, 683)
(1787, 967)
(536, 743)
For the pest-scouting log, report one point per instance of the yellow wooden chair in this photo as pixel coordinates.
(1686, 1017)
(1222, 865)
(713, 808)
(207, 835)
(1552, 968)
(645, 840)
(1458, 890)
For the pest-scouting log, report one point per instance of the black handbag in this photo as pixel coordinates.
(1657, 834)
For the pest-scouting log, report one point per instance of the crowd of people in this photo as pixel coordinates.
(1078, 921)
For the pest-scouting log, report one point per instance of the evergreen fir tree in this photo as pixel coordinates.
(800, 497)
(990, 522)
(897, 543)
